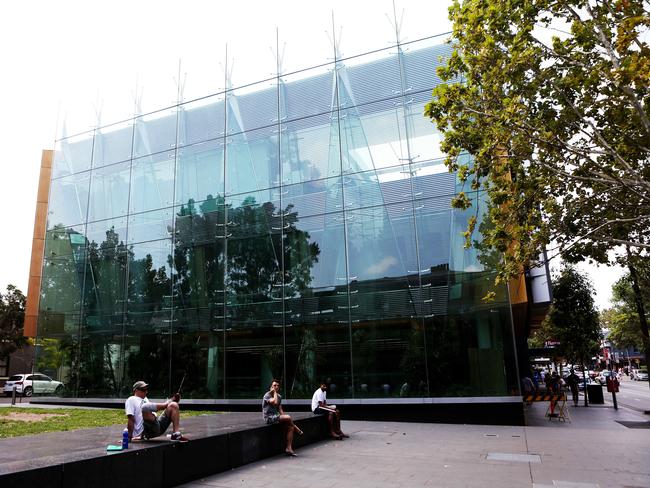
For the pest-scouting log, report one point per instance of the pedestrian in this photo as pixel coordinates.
(273, 413)
(553, 388)
(573, 381)
(142, 421)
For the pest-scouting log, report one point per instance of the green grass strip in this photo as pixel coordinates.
(40, 420)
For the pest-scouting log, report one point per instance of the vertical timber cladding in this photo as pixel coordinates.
(38, 244)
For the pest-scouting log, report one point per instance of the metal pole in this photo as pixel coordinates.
(13, 395)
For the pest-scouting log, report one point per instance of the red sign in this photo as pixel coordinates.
(612, 385)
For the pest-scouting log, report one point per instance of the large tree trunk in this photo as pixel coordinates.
(640, 308)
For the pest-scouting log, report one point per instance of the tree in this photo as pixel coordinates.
(622, 319)
(12, 317)
(573, 319)
(551, 100)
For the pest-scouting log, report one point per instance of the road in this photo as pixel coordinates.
(632, 394)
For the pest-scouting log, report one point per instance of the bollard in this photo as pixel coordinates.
(13, 395)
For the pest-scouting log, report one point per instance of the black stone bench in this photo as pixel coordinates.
(79, 458)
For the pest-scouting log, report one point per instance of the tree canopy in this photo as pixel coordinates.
(551, 100)
(622, 319)
(573, 319)
(12, 317)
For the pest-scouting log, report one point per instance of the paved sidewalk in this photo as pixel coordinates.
(591, 451)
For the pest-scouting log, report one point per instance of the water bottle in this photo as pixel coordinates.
(125, 439)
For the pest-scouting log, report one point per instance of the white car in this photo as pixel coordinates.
(29, 383)
(640, 374)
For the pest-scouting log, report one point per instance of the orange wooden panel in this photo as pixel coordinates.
(33, 295)
(518, 290)
(44, 185)
(29, 329)
(40, 221)
(35, 266)
(47, 156)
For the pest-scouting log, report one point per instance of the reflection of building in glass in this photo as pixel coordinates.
(298, 229)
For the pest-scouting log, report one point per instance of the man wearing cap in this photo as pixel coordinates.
(141, 413)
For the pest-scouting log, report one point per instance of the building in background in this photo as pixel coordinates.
(297, 228)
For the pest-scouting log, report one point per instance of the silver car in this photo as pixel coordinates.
(29, 383)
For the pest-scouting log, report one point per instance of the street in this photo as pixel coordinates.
(632, 394)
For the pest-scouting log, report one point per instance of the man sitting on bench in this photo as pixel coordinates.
(141, 413)
(320, 407)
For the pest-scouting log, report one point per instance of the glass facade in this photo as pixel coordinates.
(299, 228)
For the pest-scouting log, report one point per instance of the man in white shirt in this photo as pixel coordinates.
(320, 407)
(141, 414)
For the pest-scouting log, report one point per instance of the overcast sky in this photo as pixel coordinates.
(83, 62)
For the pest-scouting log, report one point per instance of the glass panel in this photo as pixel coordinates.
(105, 284)
(252, 161)
(151, 226)
(199, 172)
(199, 253)
(316, 312)
(372, 137)
(72, 155)
(149, 296)
(252, 107)
(152, 182)
(424, 138)
(254, 337)
(387, 337)
(420, 66)
(307, 93)
(113, 144)
(313, 197)
(358, 84)
(155, 133)
(54, 355)
(199, 299)
(201, 120)
(310, 149)
(68, 204)
(149, 320)
(107, 233)
(61, 286)
(109, 191)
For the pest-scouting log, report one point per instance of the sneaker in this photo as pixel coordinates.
(178, 437)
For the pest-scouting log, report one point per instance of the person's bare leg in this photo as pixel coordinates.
(173, 413)
(338, 425)
(289, 426)
(330, 421)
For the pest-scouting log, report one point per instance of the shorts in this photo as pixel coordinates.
(272, 419)
(154, 428)
(321, 411)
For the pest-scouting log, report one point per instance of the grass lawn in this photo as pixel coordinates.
(27, 421)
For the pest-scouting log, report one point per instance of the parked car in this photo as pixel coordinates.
(602, 377)
(640, 374)
(28, 383)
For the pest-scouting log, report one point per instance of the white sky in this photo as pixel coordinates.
(73, 59)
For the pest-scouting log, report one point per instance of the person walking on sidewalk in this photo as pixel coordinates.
(142, 421)
(273, 413)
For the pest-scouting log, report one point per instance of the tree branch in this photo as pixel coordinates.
(617, 64)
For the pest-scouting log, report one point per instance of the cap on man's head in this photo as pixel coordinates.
(139, 385)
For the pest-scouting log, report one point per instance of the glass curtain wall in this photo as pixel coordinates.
(298, 228)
